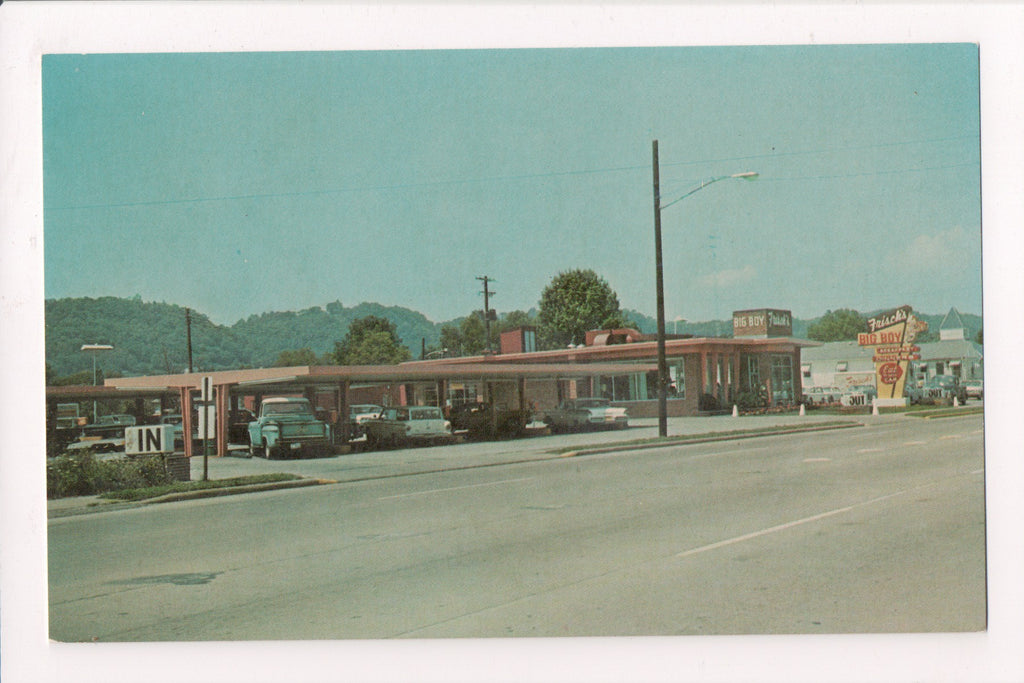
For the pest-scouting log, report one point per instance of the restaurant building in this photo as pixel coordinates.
(705, 374)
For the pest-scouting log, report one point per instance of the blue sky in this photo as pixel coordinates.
(239, 183)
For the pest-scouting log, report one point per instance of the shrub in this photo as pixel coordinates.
(82, 475)
(752, 400)
(707, 402)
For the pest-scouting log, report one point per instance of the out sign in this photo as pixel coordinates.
(148, 440)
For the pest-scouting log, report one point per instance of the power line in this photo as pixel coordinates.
(507, 178)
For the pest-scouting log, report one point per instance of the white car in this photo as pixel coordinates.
(586, 413)
(406, 424)
(358, 415)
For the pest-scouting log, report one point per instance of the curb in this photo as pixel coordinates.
(233, 490)
(684, 441)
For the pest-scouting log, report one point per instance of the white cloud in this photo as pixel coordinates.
(728, 278)
(946, 249)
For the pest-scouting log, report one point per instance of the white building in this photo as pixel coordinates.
(845, 364)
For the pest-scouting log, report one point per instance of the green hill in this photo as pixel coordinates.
(150, 338)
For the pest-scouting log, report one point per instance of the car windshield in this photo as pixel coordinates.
(592, 403)
(426, 414)
(363, 409)
(290, 408)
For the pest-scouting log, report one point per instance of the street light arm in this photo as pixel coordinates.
(747, 175)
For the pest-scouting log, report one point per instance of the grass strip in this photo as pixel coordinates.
(189, 486)
(657, 440)
(949, 412)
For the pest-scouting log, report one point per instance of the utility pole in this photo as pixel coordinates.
(487, 310)
(188, 334)
(659, 285)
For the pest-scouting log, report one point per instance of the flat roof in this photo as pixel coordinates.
(301, 376)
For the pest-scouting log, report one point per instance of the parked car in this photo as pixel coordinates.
(944, 387)
(178, 429)
(408, 424)
(114, 421)
(288, 426)
(913, 393)
(975, 388)
(104, 435)
(586, 413)
(822, 396)
(358, 415)
(482, 420)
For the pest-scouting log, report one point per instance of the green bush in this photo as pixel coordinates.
(752, 400)
(82, 474)
(708, 403)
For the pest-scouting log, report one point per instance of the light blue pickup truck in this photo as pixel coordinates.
(288, 427)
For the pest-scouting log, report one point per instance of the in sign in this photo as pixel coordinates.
(148, 440)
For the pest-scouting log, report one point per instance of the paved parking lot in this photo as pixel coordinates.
(372, 464)
(357, 466)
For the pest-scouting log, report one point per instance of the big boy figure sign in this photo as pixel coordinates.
(892, 333)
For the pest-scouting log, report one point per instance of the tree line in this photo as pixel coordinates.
(149, 338)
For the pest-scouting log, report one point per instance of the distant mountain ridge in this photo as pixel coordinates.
(149, 338)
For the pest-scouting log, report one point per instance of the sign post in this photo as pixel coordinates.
(207, 396)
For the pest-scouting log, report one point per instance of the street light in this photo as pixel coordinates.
(660, 281)
(95, 348)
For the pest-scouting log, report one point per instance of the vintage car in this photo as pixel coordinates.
(586, 413)
(288, 426)
(104, 435)
(408, 424)
(176, 424)
(913, 393)
(975, 388)
(822, 396)
(358, 415)
(483, 421)
(944, 388)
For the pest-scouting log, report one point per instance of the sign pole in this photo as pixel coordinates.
(207, 395)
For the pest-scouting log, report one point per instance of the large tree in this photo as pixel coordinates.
(577, 301)
(370, 340)
(296, 357)
(840, 325)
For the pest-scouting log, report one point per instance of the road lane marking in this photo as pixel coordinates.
(915, 443)
(790, 525)
(454, 488)
(817, 459)
(870, 450)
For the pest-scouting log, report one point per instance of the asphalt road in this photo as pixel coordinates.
(873, 529)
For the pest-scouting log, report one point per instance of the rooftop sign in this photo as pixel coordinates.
(762, 322)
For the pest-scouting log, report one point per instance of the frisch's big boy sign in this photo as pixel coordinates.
(892, 335)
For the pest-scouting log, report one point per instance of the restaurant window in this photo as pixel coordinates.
(641, 386)
(753, 373)
(782, 379)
